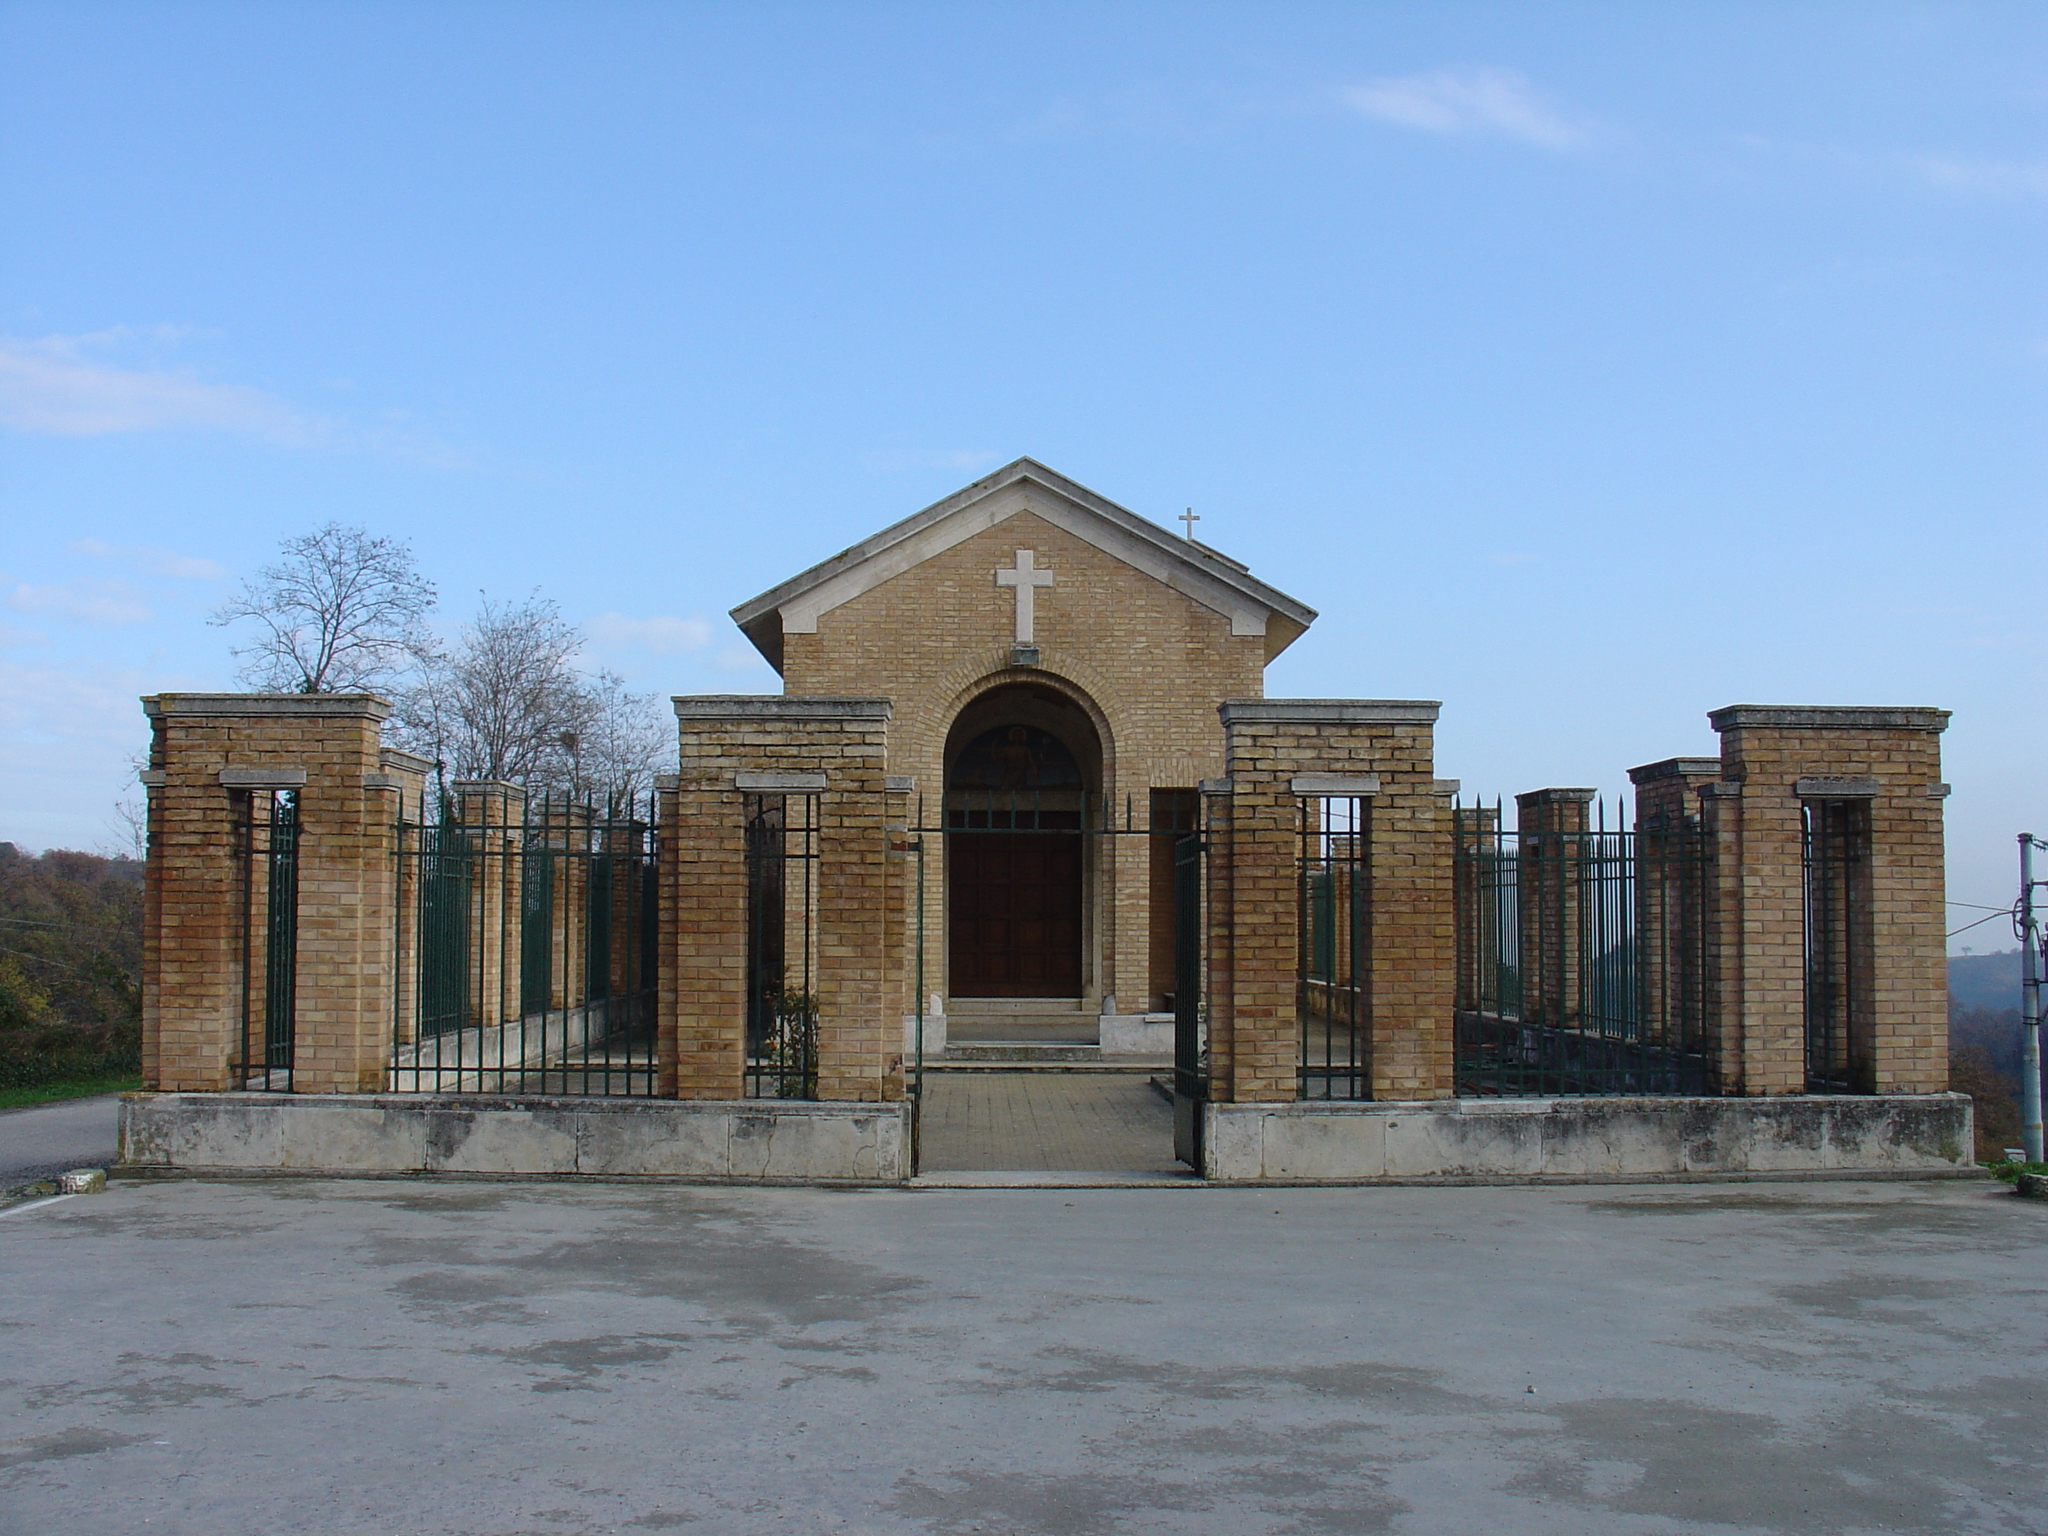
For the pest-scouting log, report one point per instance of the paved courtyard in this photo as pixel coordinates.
(387, 1358)
(1054, 1121)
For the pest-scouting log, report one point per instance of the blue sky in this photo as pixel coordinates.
(1588, 367)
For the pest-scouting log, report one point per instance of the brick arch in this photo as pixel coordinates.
(930, 723)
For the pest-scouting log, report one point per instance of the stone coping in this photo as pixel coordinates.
(1676, 768)
(365, 705)
(1556, 797)
(1828, 717)
(1330, 711)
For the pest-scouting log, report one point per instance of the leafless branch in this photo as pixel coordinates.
(344, 610)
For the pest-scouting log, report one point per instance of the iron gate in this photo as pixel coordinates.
(1835, 864)
(1190, 1053)
(781, 833)
(267, 849)
(1333, 999)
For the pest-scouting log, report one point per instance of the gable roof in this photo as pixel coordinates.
(1191, 568)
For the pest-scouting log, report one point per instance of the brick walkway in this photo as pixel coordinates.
(1077, 1121)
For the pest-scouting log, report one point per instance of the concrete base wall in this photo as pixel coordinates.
(1530, 1140)
(748, 1140)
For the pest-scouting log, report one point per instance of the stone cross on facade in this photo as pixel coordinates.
(1026, 579)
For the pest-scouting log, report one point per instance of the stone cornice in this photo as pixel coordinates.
(1191, 568)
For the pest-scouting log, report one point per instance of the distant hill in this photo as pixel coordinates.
(1985, 981)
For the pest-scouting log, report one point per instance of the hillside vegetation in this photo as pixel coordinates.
(70, 967)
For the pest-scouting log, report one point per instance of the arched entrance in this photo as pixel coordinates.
(1022, 762)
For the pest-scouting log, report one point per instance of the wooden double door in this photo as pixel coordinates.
(1014, 913)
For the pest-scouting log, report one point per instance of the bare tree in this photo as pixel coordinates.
(626, 739)
(504, 702)
(344, 610)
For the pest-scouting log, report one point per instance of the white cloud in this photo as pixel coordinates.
(742, 658)
(662, 635)
(157, 562)
(102, 604)
(56, 386)
(67, 739)
(1469, 101)
(90, 386)
(965, 459)
(2005, 180)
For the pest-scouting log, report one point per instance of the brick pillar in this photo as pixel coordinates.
(1550, 826)
(1127, 967)
(1887, 761)
(209, 754)
(405, 776)
(1479, 939)
(1671, 901)
(831, 748)
(672, 890)
(1278, 750)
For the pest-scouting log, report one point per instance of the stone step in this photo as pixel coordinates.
(1021, 1051)
(1029, 1057)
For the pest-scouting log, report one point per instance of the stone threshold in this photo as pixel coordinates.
(1054, 1178)
(1033, 1064)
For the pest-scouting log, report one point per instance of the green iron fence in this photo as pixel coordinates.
(526, 950)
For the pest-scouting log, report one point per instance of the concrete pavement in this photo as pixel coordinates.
(487, 1358)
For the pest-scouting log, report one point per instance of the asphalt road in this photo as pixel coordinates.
(392, 1358)
(50, 1138)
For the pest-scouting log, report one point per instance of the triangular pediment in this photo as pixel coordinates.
(1201, 574)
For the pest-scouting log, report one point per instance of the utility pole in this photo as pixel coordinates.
(2030, 1003)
